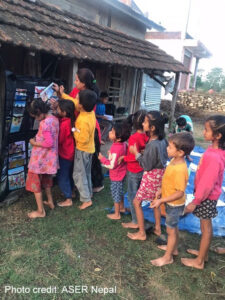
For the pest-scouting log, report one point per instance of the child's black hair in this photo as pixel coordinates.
(68, 107)
(103, 95)
(158, 120)
(183, 141)
(87, 77)
(217, 124)
(122, 131)
(136, 120)
(87, 99)
(181, 121)
(37, 107)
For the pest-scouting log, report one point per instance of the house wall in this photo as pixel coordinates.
(100, 13)
(128, 83)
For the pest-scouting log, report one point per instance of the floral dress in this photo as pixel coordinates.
(45, 160)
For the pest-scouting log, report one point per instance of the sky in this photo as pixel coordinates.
(206, 23)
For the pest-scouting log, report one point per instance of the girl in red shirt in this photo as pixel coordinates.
(65, 111)
(134, 170)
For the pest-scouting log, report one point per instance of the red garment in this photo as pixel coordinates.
(209, 176)
(116, 172)
(73, 94)
(35, 182)
(140, 139)
(66, 140)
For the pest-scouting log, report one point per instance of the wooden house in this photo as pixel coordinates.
(47, 41)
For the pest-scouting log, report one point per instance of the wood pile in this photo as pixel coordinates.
(202, 101)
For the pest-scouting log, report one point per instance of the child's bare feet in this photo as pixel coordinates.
(157, 232)
(164, 247)
(113, 216)
(130, 225)
(67, 202)
(192, 262)
(137, 236)
(161, 261)
(196, 252)
(219, 250)
(49, 204)
(36, 214)
(85, 205)
(122, 210)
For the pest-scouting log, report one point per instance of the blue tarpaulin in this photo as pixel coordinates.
(189, 222)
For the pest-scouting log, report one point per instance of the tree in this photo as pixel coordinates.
(215, 80)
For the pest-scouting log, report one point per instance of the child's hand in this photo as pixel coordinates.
(55, 87)
(32, 142)
(120, 159)
(100, 156)
(158, 194)
(155, 203)
(133, 149)
(189, 208)
(53, 103)
(61, 90)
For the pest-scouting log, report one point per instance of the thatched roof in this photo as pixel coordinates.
(40, 27)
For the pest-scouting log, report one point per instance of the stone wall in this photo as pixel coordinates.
(204, 102)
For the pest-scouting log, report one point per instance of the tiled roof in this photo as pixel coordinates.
(41, 27)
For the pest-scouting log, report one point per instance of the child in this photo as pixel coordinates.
(44, 156)
(117, 172)
(174, 183)
(105, 125)
(134, 170)
(84, 79)
(153, 161)
(84, 136)
(184, 123)
(65, 111)
(208, 183)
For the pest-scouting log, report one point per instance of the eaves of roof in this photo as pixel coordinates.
(39, 27)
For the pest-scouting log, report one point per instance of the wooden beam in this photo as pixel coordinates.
(174, 100)
(72, 73)
(195, 73)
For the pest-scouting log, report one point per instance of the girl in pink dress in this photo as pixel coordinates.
(44, 156)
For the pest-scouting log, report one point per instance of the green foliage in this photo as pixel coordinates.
(215, 80)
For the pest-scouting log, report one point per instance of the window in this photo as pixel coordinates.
(115, 87)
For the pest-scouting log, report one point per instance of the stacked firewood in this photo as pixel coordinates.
(202, 101)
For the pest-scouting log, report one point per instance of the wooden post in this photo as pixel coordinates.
(139, 90)
(195, 73)
(72, 74)
(174, 100)
(32, 63)
(133, 97)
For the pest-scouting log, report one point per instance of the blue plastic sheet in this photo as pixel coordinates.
(190, 222)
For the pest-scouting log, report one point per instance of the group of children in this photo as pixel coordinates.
(143, 161)
(150, 179)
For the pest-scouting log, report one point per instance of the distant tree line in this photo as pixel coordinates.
(214, 80)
